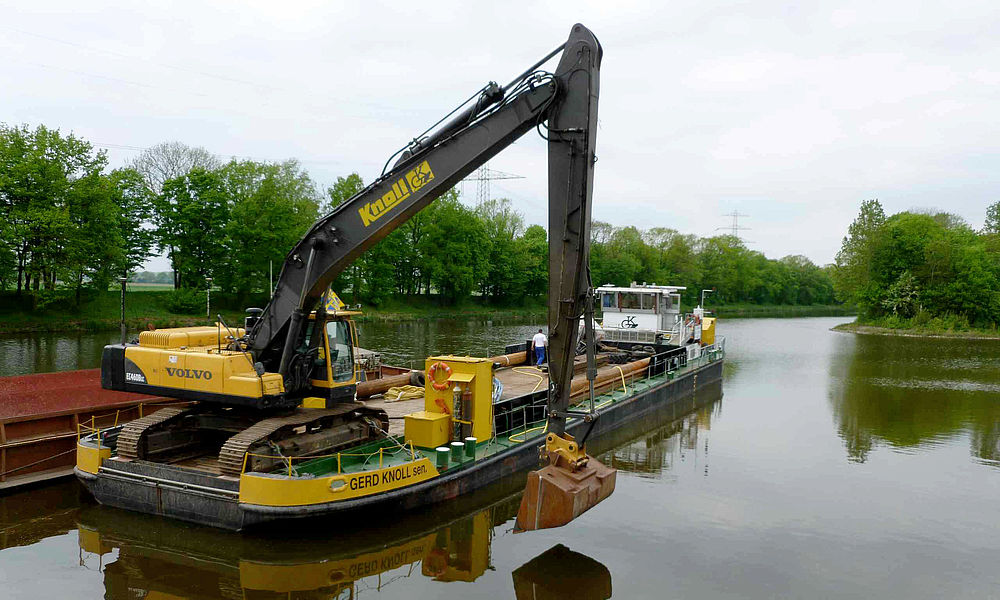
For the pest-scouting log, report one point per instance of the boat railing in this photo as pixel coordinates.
(84, 428)
(382, 453)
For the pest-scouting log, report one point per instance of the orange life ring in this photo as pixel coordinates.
(439, 385)
(436, 562)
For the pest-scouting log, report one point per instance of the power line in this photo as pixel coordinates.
(735, 228)
(260, 87)
(130, 148)
(484, 175)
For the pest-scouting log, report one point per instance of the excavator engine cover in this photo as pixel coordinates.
(568, 486)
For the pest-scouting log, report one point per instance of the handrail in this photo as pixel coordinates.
(381, 452)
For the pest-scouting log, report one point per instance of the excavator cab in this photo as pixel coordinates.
(332, 338)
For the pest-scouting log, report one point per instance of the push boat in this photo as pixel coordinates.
(476, 422)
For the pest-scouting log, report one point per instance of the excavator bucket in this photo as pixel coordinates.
(563, 490)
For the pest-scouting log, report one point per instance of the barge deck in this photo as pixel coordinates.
(393, 473)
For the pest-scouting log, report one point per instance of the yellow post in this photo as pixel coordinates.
(380, 458)
(338, 463)
(245, 455)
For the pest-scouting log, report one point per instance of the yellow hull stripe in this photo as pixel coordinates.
(293, 491)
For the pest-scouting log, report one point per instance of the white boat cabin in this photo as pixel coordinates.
(646, 313)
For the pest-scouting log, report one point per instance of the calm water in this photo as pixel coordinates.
(834, 466)
(401, 343)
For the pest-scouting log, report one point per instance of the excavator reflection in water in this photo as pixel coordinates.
(176, 561)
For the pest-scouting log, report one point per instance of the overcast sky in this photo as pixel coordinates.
(791, 114)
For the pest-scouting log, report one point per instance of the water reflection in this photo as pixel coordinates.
(655, 443)
(144, 557)
(402, 343)
(179, 561)
(911, 393)
(561, 573)
(30, 516)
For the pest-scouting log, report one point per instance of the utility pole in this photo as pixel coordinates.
(703, 292)
(124, 280)
(735, 228)
(208, 298)
(484, 175)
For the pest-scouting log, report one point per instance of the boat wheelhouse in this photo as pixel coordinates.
(651, 314)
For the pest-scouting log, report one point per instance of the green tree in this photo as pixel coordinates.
(192, 213)
(134, 203)
(533, 246)
(992, 225)
(455, 247)
(503, 225)
(339, 192)
(270, 207)
(853, 272)
(43, 173)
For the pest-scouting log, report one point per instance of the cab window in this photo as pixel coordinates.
(338, 334)
(629, 300)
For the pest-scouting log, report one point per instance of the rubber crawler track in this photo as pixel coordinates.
(232, 452)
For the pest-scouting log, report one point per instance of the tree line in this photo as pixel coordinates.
(921, 268)
(621, 255)
(69, 223)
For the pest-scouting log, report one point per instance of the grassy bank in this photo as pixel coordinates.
(145, 308)
(102, 312)
(924, 324)
(762, 311)
(946, 327)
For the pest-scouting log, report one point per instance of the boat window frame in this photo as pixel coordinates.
(613, 305)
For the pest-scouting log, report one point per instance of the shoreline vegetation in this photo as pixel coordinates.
(147, 307)
(908, 329)
(921, 274)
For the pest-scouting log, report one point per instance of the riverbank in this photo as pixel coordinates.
(923, 332)
(779, 311)
(145, 309)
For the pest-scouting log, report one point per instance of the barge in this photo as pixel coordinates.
(452, 545)
(477, 422)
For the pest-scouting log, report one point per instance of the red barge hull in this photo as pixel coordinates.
(40, 416)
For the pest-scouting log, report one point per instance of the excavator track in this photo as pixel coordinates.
(131, 433)
(232, 452)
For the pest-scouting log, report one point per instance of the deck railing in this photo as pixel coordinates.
(290, 460)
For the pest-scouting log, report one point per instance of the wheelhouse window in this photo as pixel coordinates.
(608, 300)
(648, 301)
(338, 334)
(630, 300)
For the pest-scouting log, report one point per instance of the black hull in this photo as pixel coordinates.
(179, 494)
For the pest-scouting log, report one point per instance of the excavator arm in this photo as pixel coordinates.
(566, 100)
(571, 482)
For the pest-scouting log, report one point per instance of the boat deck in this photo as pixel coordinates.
(516, 381)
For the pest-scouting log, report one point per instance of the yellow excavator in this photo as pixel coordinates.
(285, 383)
